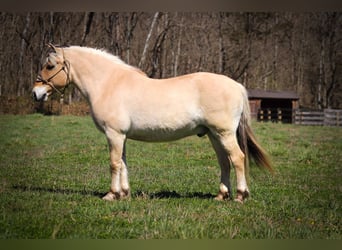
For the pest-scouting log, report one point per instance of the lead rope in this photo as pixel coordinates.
(61, 100)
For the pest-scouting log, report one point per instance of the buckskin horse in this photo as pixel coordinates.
(126, 104)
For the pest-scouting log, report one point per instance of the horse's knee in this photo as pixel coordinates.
(115, 166)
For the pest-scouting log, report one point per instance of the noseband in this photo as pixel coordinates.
(66, 69)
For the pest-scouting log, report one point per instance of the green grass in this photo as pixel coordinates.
(53, 171)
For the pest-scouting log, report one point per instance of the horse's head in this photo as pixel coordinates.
(54, 75)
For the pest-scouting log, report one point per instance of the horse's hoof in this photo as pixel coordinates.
(222, 196)
(218, 198)
(241, 196)
(238, 200)
(111, 196)
(125, 193)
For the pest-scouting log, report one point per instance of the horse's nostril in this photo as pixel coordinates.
(34, 96)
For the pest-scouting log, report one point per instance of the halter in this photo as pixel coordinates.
(66, 65)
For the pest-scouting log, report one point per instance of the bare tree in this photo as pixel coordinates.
(131, 24)
(329, 44)
(24, 41)
(157, 51)
(179, 42)
(153, 23)
(112, 30)
(88, 18)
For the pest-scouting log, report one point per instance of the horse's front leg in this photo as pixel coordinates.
(119, 184)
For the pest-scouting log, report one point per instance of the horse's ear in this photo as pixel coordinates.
(53, 47)
(52, 58)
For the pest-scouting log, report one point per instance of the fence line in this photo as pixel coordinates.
(327, 117)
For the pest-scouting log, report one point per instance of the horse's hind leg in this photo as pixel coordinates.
(124, 175)
(222, 157)
(230, 144)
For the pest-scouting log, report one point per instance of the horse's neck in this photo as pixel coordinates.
(87, 73)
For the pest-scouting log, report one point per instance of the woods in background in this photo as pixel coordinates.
(270, 51)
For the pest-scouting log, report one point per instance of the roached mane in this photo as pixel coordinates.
(106, 54)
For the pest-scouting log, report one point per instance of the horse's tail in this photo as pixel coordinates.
(247, 141)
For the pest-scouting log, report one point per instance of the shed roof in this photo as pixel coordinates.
(263, 94)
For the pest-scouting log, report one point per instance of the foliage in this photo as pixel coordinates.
(54, 169)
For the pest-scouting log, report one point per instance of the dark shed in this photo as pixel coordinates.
(273, 105)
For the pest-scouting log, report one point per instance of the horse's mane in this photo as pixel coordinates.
(104, 53)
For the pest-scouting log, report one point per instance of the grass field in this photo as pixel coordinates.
(54, 169)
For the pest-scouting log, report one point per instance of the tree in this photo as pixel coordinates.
(147, 41)
(329, 41)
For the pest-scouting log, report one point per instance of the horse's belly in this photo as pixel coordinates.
(165, 134)
(171, 122)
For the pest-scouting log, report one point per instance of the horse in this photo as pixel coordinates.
(126, 104)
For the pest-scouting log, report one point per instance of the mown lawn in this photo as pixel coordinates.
(54, 169)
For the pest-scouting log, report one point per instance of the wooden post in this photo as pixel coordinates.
(261, 115)
(269, 117)
(60, 105)
(337, 118)
(293, 114)
(279, 115)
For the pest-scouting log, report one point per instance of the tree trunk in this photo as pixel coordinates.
(131, 23)
(320, 92)
(164, 67)
(51, 31)
(22, 52)
(143, 56)
(275, 55)
(158, 53)
(248, 44)
(88, 18)
(179, 42)
(222, 52)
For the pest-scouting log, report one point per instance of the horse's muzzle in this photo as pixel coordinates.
(39, 93)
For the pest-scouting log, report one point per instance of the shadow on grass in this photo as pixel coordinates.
(58, 190)
(172, 194)
(137, 194)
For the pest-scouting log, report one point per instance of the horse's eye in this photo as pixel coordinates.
(49, 67)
